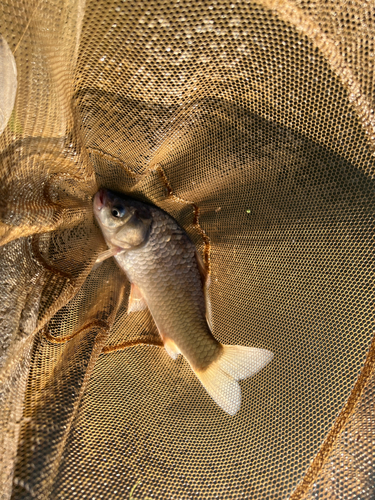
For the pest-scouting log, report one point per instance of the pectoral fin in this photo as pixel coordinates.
(136, 300)
(111, 252)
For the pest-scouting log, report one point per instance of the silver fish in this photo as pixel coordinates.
(165, 273)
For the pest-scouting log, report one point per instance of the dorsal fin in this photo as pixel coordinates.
(206, 282)
(203, 271)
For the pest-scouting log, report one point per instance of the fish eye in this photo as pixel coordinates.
(118, 212)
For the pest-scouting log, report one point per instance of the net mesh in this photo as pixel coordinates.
(252, 124)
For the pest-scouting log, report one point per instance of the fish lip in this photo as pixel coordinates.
(99, 199)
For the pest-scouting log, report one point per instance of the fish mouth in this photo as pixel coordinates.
(99, 199)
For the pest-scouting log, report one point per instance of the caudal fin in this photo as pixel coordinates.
(235, 363)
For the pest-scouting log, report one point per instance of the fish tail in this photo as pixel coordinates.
(235, 363)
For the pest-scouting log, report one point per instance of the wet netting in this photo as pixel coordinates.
(252, 124)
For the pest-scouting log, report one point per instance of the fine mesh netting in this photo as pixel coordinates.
(252, 124)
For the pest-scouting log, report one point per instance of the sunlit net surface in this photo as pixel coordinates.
(252, 124)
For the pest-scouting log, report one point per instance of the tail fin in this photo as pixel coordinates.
(235, 363)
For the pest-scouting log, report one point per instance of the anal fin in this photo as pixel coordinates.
(136, 300)
(171, 348)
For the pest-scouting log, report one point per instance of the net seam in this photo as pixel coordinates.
(42, 261)
(108, 156)
(196, 223)
(131, 343)
(98, 323)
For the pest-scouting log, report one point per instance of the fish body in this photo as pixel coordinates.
(167, 277)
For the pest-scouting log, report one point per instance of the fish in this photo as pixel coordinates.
(167, 275)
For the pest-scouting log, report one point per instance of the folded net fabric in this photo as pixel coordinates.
(252, 124)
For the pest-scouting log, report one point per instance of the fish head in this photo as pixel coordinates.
(124, 222)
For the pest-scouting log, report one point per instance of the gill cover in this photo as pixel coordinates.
(133, 232)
